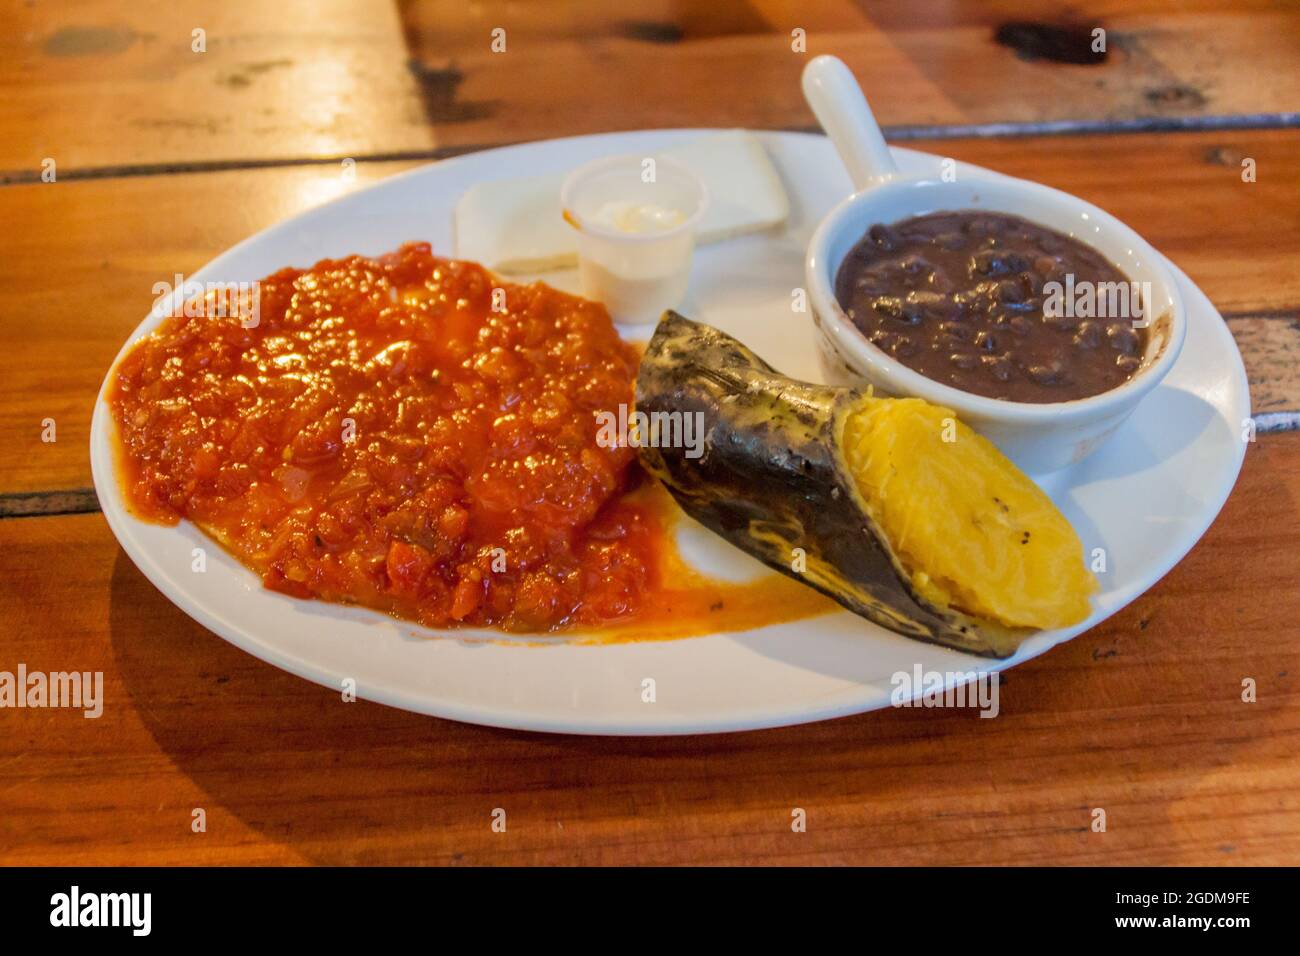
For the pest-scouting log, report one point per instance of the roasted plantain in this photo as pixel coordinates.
(890, 506)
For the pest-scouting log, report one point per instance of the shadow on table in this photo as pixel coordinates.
(334, 782)
(363, 783)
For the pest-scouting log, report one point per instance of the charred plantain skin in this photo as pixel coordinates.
(773, 478)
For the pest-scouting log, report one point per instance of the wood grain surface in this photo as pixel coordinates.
(166, 156)
(923, 63)
(102, 84)
(1142, 717)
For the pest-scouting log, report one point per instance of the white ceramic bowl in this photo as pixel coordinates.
(1038, 437)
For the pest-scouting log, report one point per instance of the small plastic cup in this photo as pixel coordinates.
(635, 217)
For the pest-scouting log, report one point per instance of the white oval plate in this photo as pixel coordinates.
(1145, 497)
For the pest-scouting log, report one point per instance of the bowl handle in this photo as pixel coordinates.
(838, 103)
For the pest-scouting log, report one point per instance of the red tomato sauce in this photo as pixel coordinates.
(390, 434)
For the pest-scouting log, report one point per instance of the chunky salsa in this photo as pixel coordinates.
(410, 434)
(403, 432)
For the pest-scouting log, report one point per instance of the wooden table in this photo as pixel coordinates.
(165, 156)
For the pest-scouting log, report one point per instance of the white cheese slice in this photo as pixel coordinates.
(516, 225)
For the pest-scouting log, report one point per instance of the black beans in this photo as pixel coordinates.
(895, 343)
(1048, 373)
(1020, 325)
(1123, 338)
(963, 297)
(890, 306)
(1064, 323)
(1012, 291)
(1088, 335)
(883, 237)
(997, 262)
(1000, 366)
(915, 265)
(958, 330)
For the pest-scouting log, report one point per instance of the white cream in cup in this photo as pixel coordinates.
(635, 217)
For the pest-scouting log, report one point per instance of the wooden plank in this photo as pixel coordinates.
(99, 84)
(102, 83)
(1142, 717)
(923, 63)
(78, 260)
(57, 502)
(1271, 345)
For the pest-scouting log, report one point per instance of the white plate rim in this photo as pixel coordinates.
(121, 522)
